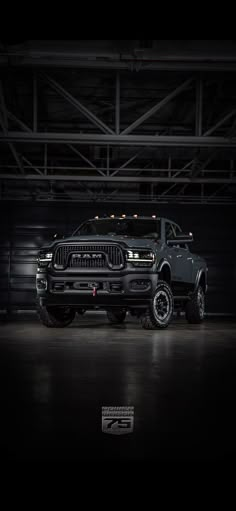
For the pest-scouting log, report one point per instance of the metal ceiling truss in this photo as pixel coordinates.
(119, 140)
(193, 173)
(101, 197)
(128, 57)
(4, 126)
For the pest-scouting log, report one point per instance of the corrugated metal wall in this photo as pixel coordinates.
(26, 226)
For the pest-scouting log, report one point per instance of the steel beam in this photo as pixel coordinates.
(219, 123)
(3, 109)
(206, 134)
(117, 102)
(18, 121)
(31, 166)
(219, 189)
(122, 200)
(91, 164)
(78, 105)
(199, 101)
(127, 163)
(45, 158)
(128, 169)
(116, 179)
(108, 160)
(168, 190)
(185, 168)
(4, 125)
(196, 172)
(76, 151)
(17, 158)
(120, 140)
(157, 107)
(49, 59)
(35, 103)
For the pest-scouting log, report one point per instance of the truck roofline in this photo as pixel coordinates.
(130, 217)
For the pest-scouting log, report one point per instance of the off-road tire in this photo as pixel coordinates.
(116, 317)
(159, 313)
(55, 317)
(195, 307)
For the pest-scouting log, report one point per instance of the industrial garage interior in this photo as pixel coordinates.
(117, 127)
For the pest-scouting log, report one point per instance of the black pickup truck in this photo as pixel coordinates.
(130, 263)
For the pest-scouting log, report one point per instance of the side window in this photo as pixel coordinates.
(169, 231)
(174, 228)
(178, 231)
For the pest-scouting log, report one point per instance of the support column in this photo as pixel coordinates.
(118, 103)
(199, 101)
(45, 158)
(35, 104)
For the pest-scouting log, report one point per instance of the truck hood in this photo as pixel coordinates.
(129, 242)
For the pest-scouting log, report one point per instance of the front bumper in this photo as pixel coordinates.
(89, 290)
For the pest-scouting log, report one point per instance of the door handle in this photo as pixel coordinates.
(179, 255)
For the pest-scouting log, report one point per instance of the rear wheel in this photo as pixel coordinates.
(195, 308)
(116, 317)
(55, 317)
(159, 313)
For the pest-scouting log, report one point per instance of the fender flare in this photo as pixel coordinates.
(162, 263)
(198, 276)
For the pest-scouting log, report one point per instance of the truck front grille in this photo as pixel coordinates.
(88, 256)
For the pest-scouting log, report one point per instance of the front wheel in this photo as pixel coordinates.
(195, 308)
(159, 313)
(55, 317)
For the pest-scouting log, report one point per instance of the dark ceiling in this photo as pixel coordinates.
(118, 120)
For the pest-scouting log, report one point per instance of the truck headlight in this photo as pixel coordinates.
(44, 258)
(140, 257)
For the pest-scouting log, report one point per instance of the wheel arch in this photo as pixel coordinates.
(164, 271)
(201, 280)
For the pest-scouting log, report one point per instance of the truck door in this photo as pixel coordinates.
(181, 258)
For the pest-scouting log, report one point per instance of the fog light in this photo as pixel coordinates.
(42, 284)
(140, 285)
(142, 264)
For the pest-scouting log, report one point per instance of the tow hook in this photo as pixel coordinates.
(94, 286)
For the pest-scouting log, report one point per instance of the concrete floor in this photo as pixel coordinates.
(181, 382)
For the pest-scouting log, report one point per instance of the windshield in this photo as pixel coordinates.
(121, 227)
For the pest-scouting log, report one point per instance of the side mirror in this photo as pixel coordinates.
(180, 239)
